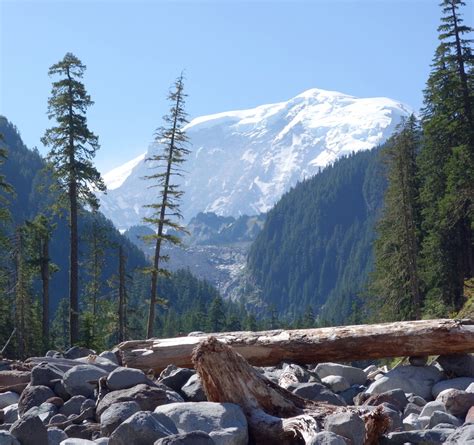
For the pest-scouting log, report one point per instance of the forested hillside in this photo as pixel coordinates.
(315, 250)
(186, 303)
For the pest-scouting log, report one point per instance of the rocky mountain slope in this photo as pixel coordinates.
(243, 161)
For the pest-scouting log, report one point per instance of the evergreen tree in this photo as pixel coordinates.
(38, 235)
(165, 213)
(446, 165)
(216, 318)
(73, 146)
(396, 285)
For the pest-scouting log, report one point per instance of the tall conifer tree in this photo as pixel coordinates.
(446, 165)
(396, 282)
(165, 213)
(73, 146)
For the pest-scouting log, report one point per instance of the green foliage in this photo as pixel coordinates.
(395, 285)
(73, 145)
(446, 165)
(315, 246)
(165, 213)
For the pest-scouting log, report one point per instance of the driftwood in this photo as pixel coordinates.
(274, 415)
(304, 346)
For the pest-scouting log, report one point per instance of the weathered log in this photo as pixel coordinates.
(274, 415)
(343, 343)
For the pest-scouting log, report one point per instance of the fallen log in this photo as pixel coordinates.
(274, 414)
(304, 346)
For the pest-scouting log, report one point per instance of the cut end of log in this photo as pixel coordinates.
(274, 414)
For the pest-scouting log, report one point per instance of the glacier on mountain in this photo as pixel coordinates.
(241, 162)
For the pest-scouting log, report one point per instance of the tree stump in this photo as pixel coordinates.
(274, 415)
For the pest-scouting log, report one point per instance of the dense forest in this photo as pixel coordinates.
(314, 252)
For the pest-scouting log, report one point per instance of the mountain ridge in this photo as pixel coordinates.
(243, 161)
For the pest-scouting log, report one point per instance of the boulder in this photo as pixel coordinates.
(109, 355)
(7, 439)
(142, 428)
(443, 417)
(456, 401)
(396, 422)
(354, 376)
(418, 437)
(418, 380)
(72, 406)
(115, 414)
(470, 415)
(327, 438)
(33, 396)
(56, 436)
(174, 377)
(349, 394)
(10, 413)
(457, 383)
(77, 352)
(148, 397)
(8, 398)
(83, 431)
(411, 423)
(412, 408)
(45, 412)
(395, 397)
(348, 425)
(60, 390)
(193, 438)
(431, 407)
(224, 422)
(45, 374)
(336, 383)
(193, 390)
(77, 379)
(123, 378)
(57, 418)
(458, 365)
(29, 430)
(464, 436)
(292, 374)
(317, 392)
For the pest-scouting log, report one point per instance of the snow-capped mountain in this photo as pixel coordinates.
(242, 161)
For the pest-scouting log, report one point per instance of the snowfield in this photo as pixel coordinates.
(242, 161)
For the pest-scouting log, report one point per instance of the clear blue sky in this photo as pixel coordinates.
(237, 54)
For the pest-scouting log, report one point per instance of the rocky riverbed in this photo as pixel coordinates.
(82, 398)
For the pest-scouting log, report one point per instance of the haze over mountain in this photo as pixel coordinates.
(243, 161)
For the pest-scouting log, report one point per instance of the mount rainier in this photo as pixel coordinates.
(242, 162)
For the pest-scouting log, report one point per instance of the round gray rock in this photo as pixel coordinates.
(193, 438)
(29, 430)
(76, 380)
(224, 422)
(354, 376)
(56, 436)
(123, 378)
(348, 425)
(33, 396)
(142, 428)
(115, 414)
(418, 380)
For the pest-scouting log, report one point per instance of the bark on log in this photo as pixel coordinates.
(274, 415)
(304, 346)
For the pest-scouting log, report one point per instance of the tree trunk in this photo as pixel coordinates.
(45, 282)
(305, 346)
(73, 268)
(121, 310)
(274, 414)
